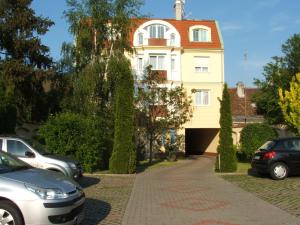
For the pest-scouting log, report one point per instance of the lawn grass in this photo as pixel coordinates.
(243, 167)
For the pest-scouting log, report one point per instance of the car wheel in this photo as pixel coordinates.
(10, 214)
(279, 171)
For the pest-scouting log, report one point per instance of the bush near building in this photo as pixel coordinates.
(252, 137)
(74, 135)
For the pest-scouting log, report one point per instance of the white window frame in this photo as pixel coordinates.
(173, 63)
(172, 39)
(140, 63)
(159, 65)
(201, 64)
(157, 31)
(200, 96)
(140, 38)
(204, 33)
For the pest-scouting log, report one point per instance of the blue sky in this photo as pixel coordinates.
(255, 27)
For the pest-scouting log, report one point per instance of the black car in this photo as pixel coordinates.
(279, 158)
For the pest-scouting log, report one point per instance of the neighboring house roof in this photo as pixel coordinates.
(182, 27)
(243, 108)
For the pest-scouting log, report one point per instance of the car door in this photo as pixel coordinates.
(295, 156)
(19, 149)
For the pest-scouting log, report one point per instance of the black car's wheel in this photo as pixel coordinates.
(9, 214)
(279, 171)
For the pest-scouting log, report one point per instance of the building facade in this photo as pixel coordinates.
(188, 52)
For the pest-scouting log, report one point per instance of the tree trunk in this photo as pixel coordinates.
(151, 145)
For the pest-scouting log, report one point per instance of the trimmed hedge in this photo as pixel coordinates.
(75, 135)
(252, 137)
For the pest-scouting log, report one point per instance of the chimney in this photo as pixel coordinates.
(179, 9)
(240, 89)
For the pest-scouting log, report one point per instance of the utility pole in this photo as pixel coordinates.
(245, 93)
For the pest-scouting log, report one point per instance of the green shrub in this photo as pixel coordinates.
(77, 136)
(252, 137)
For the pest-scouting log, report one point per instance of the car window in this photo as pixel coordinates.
(279, 146)
(1, 141)
(296, 144)
(267, 146)
(16, 148)
(9, 163)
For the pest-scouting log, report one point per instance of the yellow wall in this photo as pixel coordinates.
(216, 66)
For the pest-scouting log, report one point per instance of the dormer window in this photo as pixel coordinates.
(157, 31)
(200, 34)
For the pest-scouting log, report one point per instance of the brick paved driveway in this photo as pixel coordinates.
(191, 194)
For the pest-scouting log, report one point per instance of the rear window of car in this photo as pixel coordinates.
(267, 146)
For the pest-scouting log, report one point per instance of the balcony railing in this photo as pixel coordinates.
(157, 42)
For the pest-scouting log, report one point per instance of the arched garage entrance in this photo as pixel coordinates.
(200, 140)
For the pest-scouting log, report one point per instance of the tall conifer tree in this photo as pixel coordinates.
(226, 160)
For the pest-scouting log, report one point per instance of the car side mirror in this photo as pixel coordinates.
(29, 154)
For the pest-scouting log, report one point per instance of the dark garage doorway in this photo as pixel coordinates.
(197, 140)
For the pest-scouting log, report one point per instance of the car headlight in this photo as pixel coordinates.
(73, 165)
(47, 193)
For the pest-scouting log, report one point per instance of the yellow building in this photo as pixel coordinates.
(190, 52)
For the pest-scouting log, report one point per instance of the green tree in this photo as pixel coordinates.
(289, 103)
(253, 136)
(123, 155)
(24, 60)
(226, 160)
(8, 112)
(101, 30)
(278, 74)
(160, 108)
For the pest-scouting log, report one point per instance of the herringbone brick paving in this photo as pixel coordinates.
(191, 194)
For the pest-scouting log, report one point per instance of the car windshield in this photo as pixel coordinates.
(267, 146)
(38, 147)
(9, 163)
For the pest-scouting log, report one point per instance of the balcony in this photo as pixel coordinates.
(159, 75)
(157, 42)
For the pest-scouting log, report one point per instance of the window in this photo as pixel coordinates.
(140, 38)
(202, 97)
(200, 35)
(157, 62)
(173, 63)
(16, 148)
(140, 63)
(201, 64)
(157, 31)
(172, 39)
(1, 144)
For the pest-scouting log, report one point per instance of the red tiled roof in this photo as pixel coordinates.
(182, 27)
(238, 104)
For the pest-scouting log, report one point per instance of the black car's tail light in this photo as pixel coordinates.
(269, 155)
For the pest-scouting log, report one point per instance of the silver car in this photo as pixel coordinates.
(34, 154)
(37, 197)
